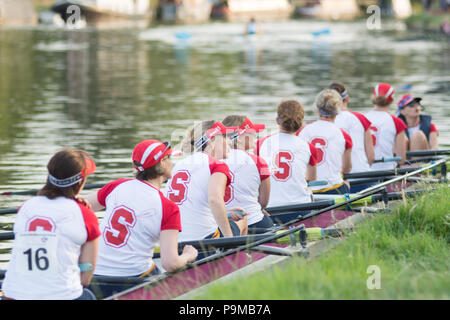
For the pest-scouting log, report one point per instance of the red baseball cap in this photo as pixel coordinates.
(148, 153)
(216, 129)
(248, 126)
(89, 167)
(384, 89)
(407, 99)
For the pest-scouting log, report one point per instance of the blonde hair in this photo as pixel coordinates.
(328, 103)
(290, 115)
(194, 133)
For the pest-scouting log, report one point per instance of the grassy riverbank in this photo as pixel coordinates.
(410, 247)
(426, 21)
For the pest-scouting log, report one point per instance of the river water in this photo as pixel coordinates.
(105, 90)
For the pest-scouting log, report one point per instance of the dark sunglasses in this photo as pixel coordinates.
(411, 105)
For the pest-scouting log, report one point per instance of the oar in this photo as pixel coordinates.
(424, 153)
(33, 192)
(8, 211)
(338, 200)
(394, 159)
(424, 159)
(9, 235)
(382, 173)
(356, 199)
(417, 171)
(317, 183)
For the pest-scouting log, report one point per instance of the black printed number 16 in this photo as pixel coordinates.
(40, 259)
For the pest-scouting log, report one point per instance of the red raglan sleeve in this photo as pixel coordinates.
(262, 166)
(90, 222)
(107, 189)
(171, 215)
(348, 140)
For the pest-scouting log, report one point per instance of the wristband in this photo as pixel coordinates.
(85, 267)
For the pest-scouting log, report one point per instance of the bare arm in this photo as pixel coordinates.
(170, 259)
(93, 201)
(264, 193)
(216, 191)
(88, 254)
(400, 146)
(434, 144)
(311, 173)
(368, 147)
(347, 161)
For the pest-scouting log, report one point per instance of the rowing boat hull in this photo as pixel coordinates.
(170, 287)
(178, 284)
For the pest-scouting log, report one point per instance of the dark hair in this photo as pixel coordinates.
(64, 164)
(338, 87)
(290, 115)
(234, 121)
(150, 173)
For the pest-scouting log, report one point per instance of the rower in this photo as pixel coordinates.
(388, 131)
(250, 185)
(333, 144)
(138, 216)
(56, 236)
(291, 159)
(199, 182)
(252, 27)
(358, 127)
(422, 133)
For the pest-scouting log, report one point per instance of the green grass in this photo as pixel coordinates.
(409, 245)
(426, 21)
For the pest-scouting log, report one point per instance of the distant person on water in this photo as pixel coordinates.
(138, 218)
(56, 236)
(333, 144)
(291, 159)
(199, 183)
(388, 131)
(250, 185)
(422, 133)
(252, 27)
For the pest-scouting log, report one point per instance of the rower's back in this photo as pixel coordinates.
(331, 143)
(384, 128)
(287, 157)
(355, 124)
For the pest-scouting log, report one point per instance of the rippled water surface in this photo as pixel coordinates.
(104, 91)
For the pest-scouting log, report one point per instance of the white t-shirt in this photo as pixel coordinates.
(385, 127)
(49, 234)
(287, 157)
(247, 171)
(136, 213)
(355, 124)
(188, 188)
(330, 142)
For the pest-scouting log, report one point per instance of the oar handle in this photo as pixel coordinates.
(317, 183)
(393, 159)
(425, 153)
